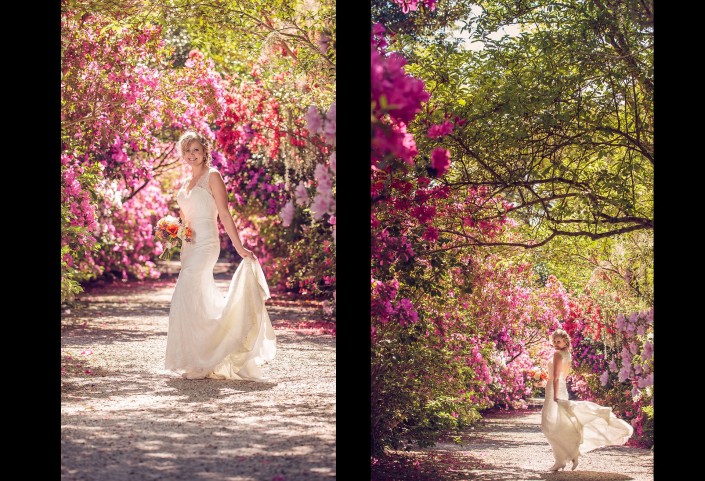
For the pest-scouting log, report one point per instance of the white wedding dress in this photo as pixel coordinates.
(225, 337)
(577, 427)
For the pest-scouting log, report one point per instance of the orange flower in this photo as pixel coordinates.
(170, 231)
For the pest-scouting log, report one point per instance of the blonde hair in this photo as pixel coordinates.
(190, 136)
(562, 334)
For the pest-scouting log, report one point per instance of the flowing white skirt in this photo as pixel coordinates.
(577, 427)
(230, 336)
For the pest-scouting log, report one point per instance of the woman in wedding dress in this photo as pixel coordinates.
(575, 427)
(212, 335)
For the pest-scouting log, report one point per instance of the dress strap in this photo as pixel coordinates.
(205, 178)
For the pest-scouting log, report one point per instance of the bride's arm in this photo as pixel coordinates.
(220, 195)
(557, 366)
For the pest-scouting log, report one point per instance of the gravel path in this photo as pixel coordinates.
(124, 417)
(509, 446)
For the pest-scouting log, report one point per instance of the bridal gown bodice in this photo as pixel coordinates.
(577, 427)
(209, 332)
(565, 359)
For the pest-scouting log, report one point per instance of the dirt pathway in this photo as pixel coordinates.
(124, 417)
(509, 446)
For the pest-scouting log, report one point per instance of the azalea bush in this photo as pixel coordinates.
(619, 371)
(122, 107)
(133, 81)
(77, 224)
(294, 245)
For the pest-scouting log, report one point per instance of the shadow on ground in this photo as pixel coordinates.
(445, 466)
(125, 417)
(172, 445)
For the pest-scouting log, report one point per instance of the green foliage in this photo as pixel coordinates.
(406, 405)
(422, 27)
(236, 34)
(309, 259)
(617, 273)
(559, 117)
(299, 258)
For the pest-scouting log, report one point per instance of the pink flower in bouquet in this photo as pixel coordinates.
(172, 234)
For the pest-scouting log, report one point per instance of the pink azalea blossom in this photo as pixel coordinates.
(301, 194)
(407, 5)
(648, 351)
(635, 392)
(329, 127)
(620, 322)
(440, 130)
(430, 234)
(313, 120)
(322, 203)
(440, 160)
(331, 162)
(287, 214)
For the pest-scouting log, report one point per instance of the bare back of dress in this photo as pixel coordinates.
(577, 427)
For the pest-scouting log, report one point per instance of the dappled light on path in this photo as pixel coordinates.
(125, 417)
(508, 446)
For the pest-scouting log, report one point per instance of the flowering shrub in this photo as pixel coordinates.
(626, 379)
(248, 147)
(120, 105)
(125, 102)
(413, 5)
(77, 224)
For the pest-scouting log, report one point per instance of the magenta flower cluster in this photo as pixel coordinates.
(396, 99)
(413, 5)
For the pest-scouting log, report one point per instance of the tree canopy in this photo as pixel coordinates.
(559, 116)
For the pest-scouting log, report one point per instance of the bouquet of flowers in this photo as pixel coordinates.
(172, 233)
(539, 376)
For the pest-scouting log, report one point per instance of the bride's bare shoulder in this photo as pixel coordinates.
(214, 173)
(215, 181)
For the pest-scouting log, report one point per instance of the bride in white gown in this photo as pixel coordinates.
(575, 427)
(212, 335)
